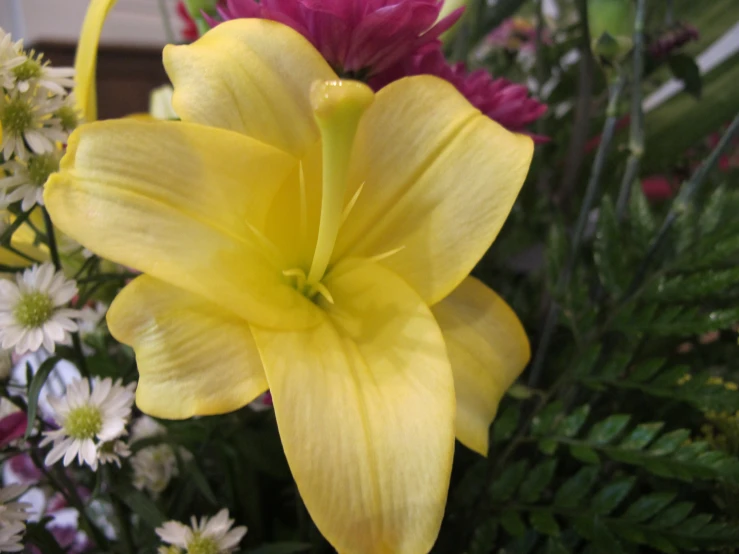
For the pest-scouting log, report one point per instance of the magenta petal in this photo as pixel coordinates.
(12, 427)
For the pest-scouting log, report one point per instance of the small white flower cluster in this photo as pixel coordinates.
(91, 421)
(33, 312)
(207, 536)
(13, 515)
(153, 466)
(37, 113)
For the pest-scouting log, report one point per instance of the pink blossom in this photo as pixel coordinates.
(657, 187)
(189, 30)
(501, 100)
(359, 38)
(12, 427)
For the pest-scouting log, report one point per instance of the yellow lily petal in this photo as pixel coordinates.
(85, 60)
(252, 76)
(488, 349)
(439, 180)
(183, 203)
(365, 408)
(193, 357)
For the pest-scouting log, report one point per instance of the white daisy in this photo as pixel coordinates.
(90, 318)
(35, 71)
(11, 536)
(111, 452)
(32, 312)
(25, 180)
(10, 57)
(208, 536)
(28, 119)
(89, 422)
(68, 113)
(13, 515)
(11, 511)
(156, 465)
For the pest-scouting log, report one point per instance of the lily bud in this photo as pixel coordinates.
(611, 24)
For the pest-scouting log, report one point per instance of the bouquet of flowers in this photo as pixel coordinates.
(282, 312)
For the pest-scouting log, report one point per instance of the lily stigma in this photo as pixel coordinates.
(302, 234)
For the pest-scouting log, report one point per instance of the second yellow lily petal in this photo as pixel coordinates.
(193, 357)
(488, 349)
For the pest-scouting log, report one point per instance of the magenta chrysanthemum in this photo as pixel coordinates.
(359, 38)
(503, 101)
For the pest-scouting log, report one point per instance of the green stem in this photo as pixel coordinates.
(166, 22)
(591, 192)
(679, 205)
(636, 130)
(76, 343)
(8, 232)
(67, 489)
(19, 253)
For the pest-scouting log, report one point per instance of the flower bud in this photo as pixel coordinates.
(611, 24)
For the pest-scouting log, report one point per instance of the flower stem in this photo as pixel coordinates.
(636, 131)
(687, 192)
(591, 192)
(76, 343)
(67, 489)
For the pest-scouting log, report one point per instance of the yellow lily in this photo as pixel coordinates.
(303, 234)
(85, 61)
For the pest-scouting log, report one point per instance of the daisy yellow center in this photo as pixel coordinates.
(40, 167)
(202, 545)
(33, 309)
(30, 69)
(67, 115)
(84, 422)
(17, 116)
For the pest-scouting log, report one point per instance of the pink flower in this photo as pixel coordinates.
(189, 30)
(12, 427)
(657, 187)
(359, 38)
(501, 100)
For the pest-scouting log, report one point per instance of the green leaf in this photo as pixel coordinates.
(605, 431)
(571, 425)
(555, 546)
(673, 515)
(584, 454)
(544, 420)
(192, 470)
(648, 506)
(281, 548)
(643, 225)
(143, 506)
(544, 523)
(646, 369)
(34, 390)
(576, 487)
(506, 423)
(685, 69)
(38, 535)
(513, 524)
(681, 122)
(537, 479)
(608, 251)
(669, 442)
(609, 497)
(503, 488)
(548, 446)
(641, 436)
(603, 539)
